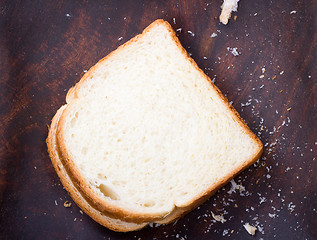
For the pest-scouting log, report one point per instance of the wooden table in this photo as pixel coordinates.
(264, 61)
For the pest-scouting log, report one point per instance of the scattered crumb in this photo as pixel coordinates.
(263, 70)
(120, 38)
(250, 229)
(289, 109)
(25, 217)
(235, 186)
(154, 225)
(213, 35)
(218, 218)
(67, 204)
(191, 33)
(233, 51)
(281, 73)
(291, 206)
(274, 77)
(292, 12)
(81, 212)
(262, 76)
(235, 18)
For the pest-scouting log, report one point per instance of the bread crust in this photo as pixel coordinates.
(75, 178)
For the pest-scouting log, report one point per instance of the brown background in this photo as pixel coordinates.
(45, 46)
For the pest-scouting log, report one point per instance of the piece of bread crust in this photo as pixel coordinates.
(227, 7)
(122, 214)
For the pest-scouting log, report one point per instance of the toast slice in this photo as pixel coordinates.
(146, 136)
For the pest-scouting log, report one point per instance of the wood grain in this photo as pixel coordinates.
(45, 47)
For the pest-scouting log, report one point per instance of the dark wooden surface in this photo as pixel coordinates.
(45, 47)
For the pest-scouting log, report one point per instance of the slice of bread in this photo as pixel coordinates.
(146, 136)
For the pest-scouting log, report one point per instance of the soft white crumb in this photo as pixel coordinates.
(191, 33)
(250, 229)
(218, 218)
(234, 51)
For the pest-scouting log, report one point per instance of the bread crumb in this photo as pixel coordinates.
(235, 186)
(235, 18)
(81, 212)
(228, 7)
(273, 77)
(235, 205)
(281, 73)
(191, 33)
(262, 76)
(218, 218)
(233, 51)
(67, 204)
(250, 229)
(289, 109)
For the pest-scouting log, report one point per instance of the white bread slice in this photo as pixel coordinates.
(146, 136)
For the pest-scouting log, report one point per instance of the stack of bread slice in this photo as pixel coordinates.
(145, 136)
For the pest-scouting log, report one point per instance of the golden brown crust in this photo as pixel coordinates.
(111, 210)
